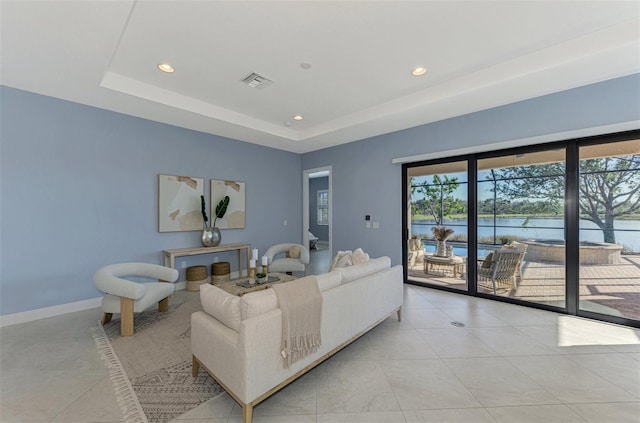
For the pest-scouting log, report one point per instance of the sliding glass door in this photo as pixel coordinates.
(437, 243)
(609, 200)
(556, 226)
(520, 232)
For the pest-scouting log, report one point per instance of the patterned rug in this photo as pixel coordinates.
(151, 370)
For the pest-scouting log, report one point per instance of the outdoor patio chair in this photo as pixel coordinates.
(502, 266)
(520, 247)
(415, 251)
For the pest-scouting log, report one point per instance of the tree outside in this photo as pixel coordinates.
(609, 188)
(436, 198)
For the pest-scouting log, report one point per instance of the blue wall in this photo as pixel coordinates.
(79, 190)
(315, 185)
(366, 182)
(79, 185)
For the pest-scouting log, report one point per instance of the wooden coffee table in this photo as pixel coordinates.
(455, 263)
(233, 288)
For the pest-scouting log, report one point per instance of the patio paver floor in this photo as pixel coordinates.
(611, 289)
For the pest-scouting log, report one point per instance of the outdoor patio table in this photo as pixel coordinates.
(455, 263)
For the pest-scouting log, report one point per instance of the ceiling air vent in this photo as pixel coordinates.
(257, 81)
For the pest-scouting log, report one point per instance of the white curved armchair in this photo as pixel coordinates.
(287, 264)
(127, 297)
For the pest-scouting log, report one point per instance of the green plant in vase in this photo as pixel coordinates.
(221, 209)
(203, 205)
(211, 235)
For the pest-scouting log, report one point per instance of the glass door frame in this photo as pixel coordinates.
(575, 250)
(571, 220)
(471, 222)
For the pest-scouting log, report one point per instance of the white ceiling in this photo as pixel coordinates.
(479, 54)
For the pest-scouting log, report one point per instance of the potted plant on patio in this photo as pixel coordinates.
(441, 234)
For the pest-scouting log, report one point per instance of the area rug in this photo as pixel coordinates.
(151, 370)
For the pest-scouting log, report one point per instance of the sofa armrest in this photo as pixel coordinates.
(108, 279)
(109, 284)
(216, 346)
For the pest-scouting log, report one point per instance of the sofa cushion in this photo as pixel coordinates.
(221, 305)
(360, 270)
(486, 262)
(257, 303)
(329, 280)
(260, 302)
(286, 265)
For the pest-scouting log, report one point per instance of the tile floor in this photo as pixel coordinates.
(508, 364)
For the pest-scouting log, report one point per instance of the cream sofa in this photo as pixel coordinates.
(237, 339)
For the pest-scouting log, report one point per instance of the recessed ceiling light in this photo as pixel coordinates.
(165, 67)
(420, 70)
(298, 117)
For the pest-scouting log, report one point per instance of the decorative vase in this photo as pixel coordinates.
(211, 237)
(441, 249)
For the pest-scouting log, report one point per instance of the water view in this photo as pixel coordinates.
(627, 231)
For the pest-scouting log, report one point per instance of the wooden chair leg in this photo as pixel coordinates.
(399, 313)
(163, 305)
(126, 316)
(196, 367)
(106, 318)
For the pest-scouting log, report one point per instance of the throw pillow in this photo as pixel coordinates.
(294, 251)
(486, 263)
(359, 256)
(221, 305)
(342, 259)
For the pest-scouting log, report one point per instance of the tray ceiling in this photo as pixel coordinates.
(345, 67)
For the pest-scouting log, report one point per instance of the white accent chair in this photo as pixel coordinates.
(287, 264)
(127, 297)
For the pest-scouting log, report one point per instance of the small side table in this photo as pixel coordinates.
(456, 263)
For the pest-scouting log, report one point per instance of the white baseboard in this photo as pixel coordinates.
(43, 313)
(58, 310)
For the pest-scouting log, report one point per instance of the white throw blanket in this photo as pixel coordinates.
(301, 306)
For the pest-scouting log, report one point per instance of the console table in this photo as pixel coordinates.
(170, 255)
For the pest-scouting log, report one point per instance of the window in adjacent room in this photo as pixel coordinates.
(323, 207)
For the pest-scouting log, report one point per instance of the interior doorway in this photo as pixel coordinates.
(317, 214)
